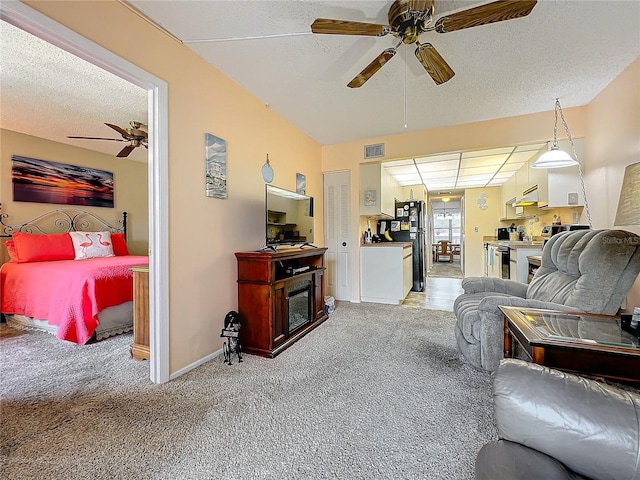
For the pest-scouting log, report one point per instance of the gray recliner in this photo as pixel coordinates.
(558, 426)
(584, 271)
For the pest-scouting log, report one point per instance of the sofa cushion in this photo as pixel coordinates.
(504, 460)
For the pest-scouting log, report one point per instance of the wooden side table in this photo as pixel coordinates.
(600, 346)
(140, 347)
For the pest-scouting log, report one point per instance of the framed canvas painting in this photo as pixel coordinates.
(43, 181)
(215, 166)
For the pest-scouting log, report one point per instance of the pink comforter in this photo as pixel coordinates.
(68, 293)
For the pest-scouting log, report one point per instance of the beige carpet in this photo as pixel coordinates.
(375, 392)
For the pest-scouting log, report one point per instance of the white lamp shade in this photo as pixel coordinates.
(628, 212)
(554, 158)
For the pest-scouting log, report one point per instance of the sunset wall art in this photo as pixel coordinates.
(42, 181)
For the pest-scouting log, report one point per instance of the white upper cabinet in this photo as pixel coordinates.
(378, 191)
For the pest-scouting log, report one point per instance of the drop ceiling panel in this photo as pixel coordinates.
(480, 170)
(484, 160)
(401, 169)
(438, 166)
(488, 153)
(438, 158)
(521, 157)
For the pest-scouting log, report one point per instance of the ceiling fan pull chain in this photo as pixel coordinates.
(405, 85)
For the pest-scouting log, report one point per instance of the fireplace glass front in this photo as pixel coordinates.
(299, 304)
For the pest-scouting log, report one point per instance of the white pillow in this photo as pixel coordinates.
(92, 244)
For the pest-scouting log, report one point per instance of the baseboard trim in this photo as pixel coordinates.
(195, 364)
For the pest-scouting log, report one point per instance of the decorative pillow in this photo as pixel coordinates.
(11, 250)
(119, 244)
(41, 248)
(92, 244)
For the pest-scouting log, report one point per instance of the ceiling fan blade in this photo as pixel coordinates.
(121, 131)
(433, 63)
(126, 151)
(100, 138)
(484, 14)
(372, 68)
(344, 27)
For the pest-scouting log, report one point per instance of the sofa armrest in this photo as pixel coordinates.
(492, 284)
(491, 329)
(590, 427)
(491, 304)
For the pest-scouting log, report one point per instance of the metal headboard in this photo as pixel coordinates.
(62, 220)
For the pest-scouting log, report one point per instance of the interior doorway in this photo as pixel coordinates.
(32, 21)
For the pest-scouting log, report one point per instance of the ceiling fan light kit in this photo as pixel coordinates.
(408, 19)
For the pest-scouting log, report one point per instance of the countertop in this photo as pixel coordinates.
(515, 245)
(387, 244)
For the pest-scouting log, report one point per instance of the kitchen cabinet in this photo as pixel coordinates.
(508, 197)
(519, 263)
(386, 272)
(378, 191)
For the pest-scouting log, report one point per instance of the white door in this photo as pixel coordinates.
(336, 234)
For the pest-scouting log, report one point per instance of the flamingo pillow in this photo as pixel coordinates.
(92, 244)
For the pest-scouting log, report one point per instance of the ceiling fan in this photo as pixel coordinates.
(136, 135)
(408, 19)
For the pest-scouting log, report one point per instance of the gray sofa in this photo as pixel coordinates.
(554, 425)
(584, 270)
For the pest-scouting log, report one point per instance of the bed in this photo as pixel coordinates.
(69, 273)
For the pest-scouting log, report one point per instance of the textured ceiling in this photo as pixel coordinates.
(565, 49)
(49, 93)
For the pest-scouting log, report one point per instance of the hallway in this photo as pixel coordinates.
(438, 294)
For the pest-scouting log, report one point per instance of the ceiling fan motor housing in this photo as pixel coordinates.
(408, 24)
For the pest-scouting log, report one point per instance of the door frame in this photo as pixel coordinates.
(39, 25)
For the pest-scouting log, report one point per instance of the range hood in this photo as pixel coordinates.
(529, 198)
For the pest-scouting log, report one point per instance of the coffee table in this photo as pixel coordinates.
(573, 341)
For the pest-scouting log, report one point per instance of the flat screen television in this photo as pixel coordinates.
(289, 217)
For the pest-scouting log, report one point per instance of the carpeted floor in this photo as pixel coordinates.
(446, 269)
(376, 392)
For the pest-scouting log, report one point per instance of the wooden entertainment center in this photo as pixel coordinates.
(280, 297)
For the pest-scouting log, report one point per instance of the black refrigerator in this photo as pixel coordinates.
(408, 226)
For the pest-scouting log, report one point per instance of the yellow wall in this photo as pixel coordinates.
(613, 142)
(482, 219)
(204, 232)
(129, 178)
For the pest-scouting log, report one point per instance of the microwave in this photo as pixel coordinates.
(551, 230)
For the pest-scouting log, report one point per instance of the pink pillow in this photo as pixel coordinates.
(11, 250)
(41, 248)
(119, 244)
(92, 244)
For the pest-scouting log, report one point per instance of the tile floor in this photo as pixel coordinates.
(439, 294)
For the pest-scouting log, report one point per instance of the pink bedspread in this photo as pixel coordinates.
(68, 293)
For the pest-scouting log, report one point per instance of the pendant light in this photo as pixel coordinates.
(556, 158)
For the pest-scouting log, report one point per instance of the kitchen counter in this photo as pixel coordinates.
(515, 245)
(386, 272)
(387, 244)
